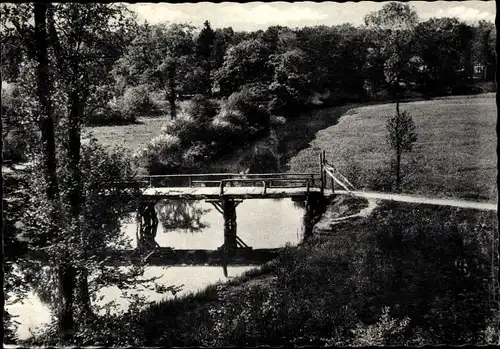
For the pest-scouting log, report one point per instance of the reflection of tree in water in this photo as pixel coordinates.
(181, 215)
(299, 204)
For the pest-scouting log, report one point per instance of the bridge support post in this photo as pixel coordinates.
(147, 226)
(315, 206)
(227, 207)
(229, 213)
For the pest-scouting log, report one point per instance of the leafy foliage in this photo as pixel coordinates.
(136, 102)
(401, 132)
(401, 136)
(14, 128)
(244, 63)
(68, 70)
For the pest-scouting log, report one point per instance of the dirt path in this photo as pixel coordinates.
(486, 206)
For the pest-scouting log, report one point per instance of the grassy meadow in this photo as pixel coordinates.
(130, 137)
(454, 156)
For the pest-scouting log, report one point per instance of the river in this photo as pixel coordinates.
(261, 223)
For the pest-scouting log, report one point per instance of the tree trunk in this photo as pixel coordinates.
(73, 149)
(171, 90)
(84, 295)
(43, 94)
(398, 170)
(148, 226)
(65, 274)
(469, 66)
(75, 193)
(67, 283)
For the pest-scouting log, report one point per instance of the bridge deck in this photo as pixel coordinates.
(197, 193)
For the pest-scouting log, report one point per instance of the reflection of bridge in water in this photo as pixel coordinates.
(225, 191)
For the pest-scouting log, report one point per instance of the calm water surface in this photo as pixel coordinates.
(190, 225)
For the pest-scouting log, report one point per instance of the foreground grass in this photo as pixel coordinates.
(455, 155)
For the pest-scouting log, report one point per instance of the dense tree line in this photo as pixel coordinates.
(151, 69)
(163, 63)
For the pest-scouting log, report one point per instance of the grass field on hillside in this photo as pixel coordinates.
(130, 137)
(455, 154)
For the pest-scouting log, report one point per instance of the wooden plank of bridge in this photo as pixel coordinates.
(204, 193)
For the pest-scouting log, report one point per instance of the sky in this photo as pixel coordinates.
(258, 15)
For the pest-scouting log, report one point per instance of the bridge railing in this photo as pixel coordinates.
(266, 183)
(230, 179)
(336, 177)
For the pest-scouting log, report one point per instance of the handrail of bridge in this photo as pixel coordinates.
(342, 177)
(235, 177)
(265, 181)
(336, 180)
(330, 169)
(180, 175)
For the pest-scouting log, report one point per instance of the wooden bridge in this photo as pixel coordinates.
(217, 186)
(225, 191)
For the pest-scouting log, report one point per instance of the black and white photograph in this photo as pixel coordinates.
(226, 174)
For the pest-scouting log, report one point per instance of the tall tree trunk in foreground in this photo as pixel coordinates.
(65, 274)
(76, 198)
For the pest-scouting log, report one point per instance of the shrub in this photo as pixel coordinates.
(229, 128)
(110, 116)
(14, 147)
(196, 154)
(13, 124)
(162, 154)
(262, 159)
(250, 102)
(136, 101)
(201, 109)
(186, 128)
(387, 331)
(286, 101)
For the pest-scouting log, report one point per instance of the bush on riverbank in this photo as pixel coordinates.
(204, 130)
